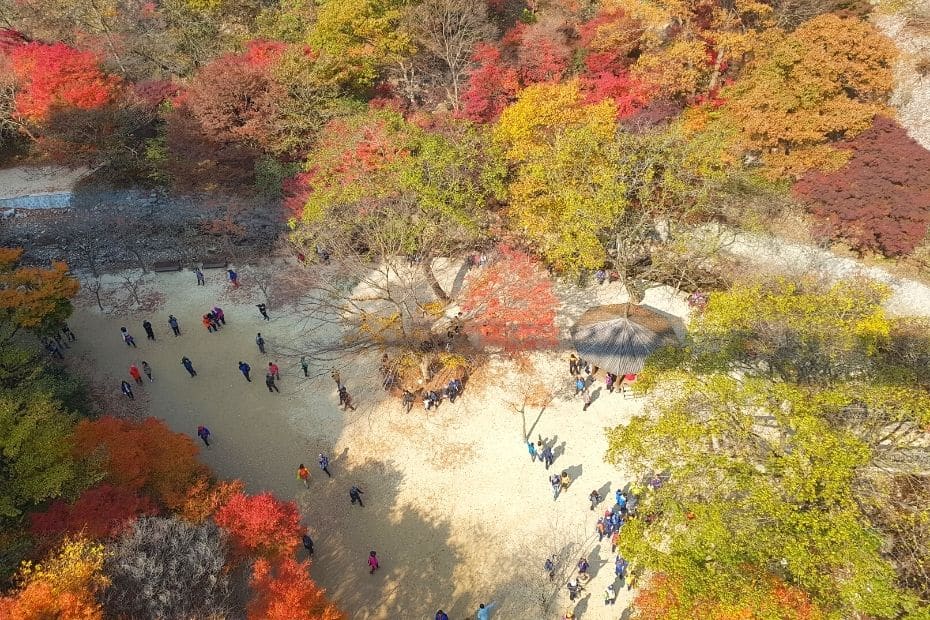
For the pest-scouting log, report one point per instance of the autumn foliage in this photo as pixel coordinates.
(55, 74)
(880, 200)
(99, 512)
(33, 297)
(660, 599)
(283, 591)
(261, 524)
(511, 303)
(63, 587)
(142, 456)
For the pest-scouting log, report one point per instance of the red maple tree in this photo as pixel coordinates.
(142, 456)
(284, 591)
(880, 200)
(260, 524)
(51, 75)
(100, 512)
(511, 303)
(491, 86)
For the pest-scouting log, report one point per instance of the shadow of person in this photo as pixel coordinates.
(595, 394)
(604, 493)
(575, 472)
(582, 606)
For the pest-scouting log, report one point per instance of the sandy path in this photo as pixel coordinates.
(453, 505)
(908, 297)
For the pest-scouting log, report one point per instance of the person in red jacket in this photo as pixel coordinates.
(135, 374)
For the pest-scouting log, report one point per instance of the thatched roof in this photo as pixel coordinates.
(619, 337)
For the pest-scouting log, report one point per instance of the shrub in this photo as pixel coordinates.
(880, 200)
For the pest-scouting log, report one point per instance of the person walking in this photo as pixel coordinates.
(260, 342)
(372, 562)
(610, 596)
(201, 281)
(308, 544)
(173, 323)
(149, 332)
(547, 456)
(127, 390)
(127, 337)
(204, 433)
(574, 589)
(219, 314)
(583, 567)
(556, 483)
(619, 567)
(565, 480)
(355, 494)
(208, 323)
(233, 277)
(441, 615)
(595, 498)
(573, 364)
(274, 370)
(408, 400)
(484, 611)
(346, 400)
(188, 366)
(601, 529)
(579, 385)
(147, 370)
(324, 464)
(549, 567)
(304, 474)
(245, 369)
(264, 311)
(609, 381)
(305, 365)
(67, 332)
(269, 383)
(52, 347)
(531, 448)
(135, 374)
(586, 399)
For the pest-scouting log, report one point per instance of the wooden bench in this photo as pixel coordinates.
(166, 265)
(214, 263)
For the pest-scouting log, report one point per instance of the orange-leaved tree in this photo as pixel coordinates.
(33, 297)
(55, 75)
(772, 599)
(284, 591)
(260, 524)
(808, 89)
(205, 497)
(511, 303)
(64, 587)
(142, 456)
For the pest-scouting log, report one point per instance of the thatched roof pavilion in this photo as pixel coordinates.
(619, 337)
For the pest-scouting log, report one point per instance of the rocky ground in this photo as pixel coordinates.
(107, 228)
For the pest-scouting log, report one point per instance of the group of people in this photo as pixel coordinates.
(213, 319)
(433, 398)
(58, 340)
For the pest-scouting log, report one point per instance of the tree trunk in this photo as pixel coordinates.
(433, 282)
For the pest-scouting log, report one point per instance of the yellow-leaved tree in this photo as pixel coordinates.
(567, 188)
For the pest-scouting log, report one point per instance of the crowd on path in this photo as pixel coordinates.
(214, 320)
(608, 526)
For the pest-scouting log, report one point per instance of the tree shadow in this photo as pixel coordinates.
(417, 561)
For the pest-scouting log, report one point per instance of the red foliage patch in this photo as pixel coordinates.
(100, 512)
(491, 86)
(58, 75)
(511, 303)
(260, 524)
(11, 39)
(879, 201)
